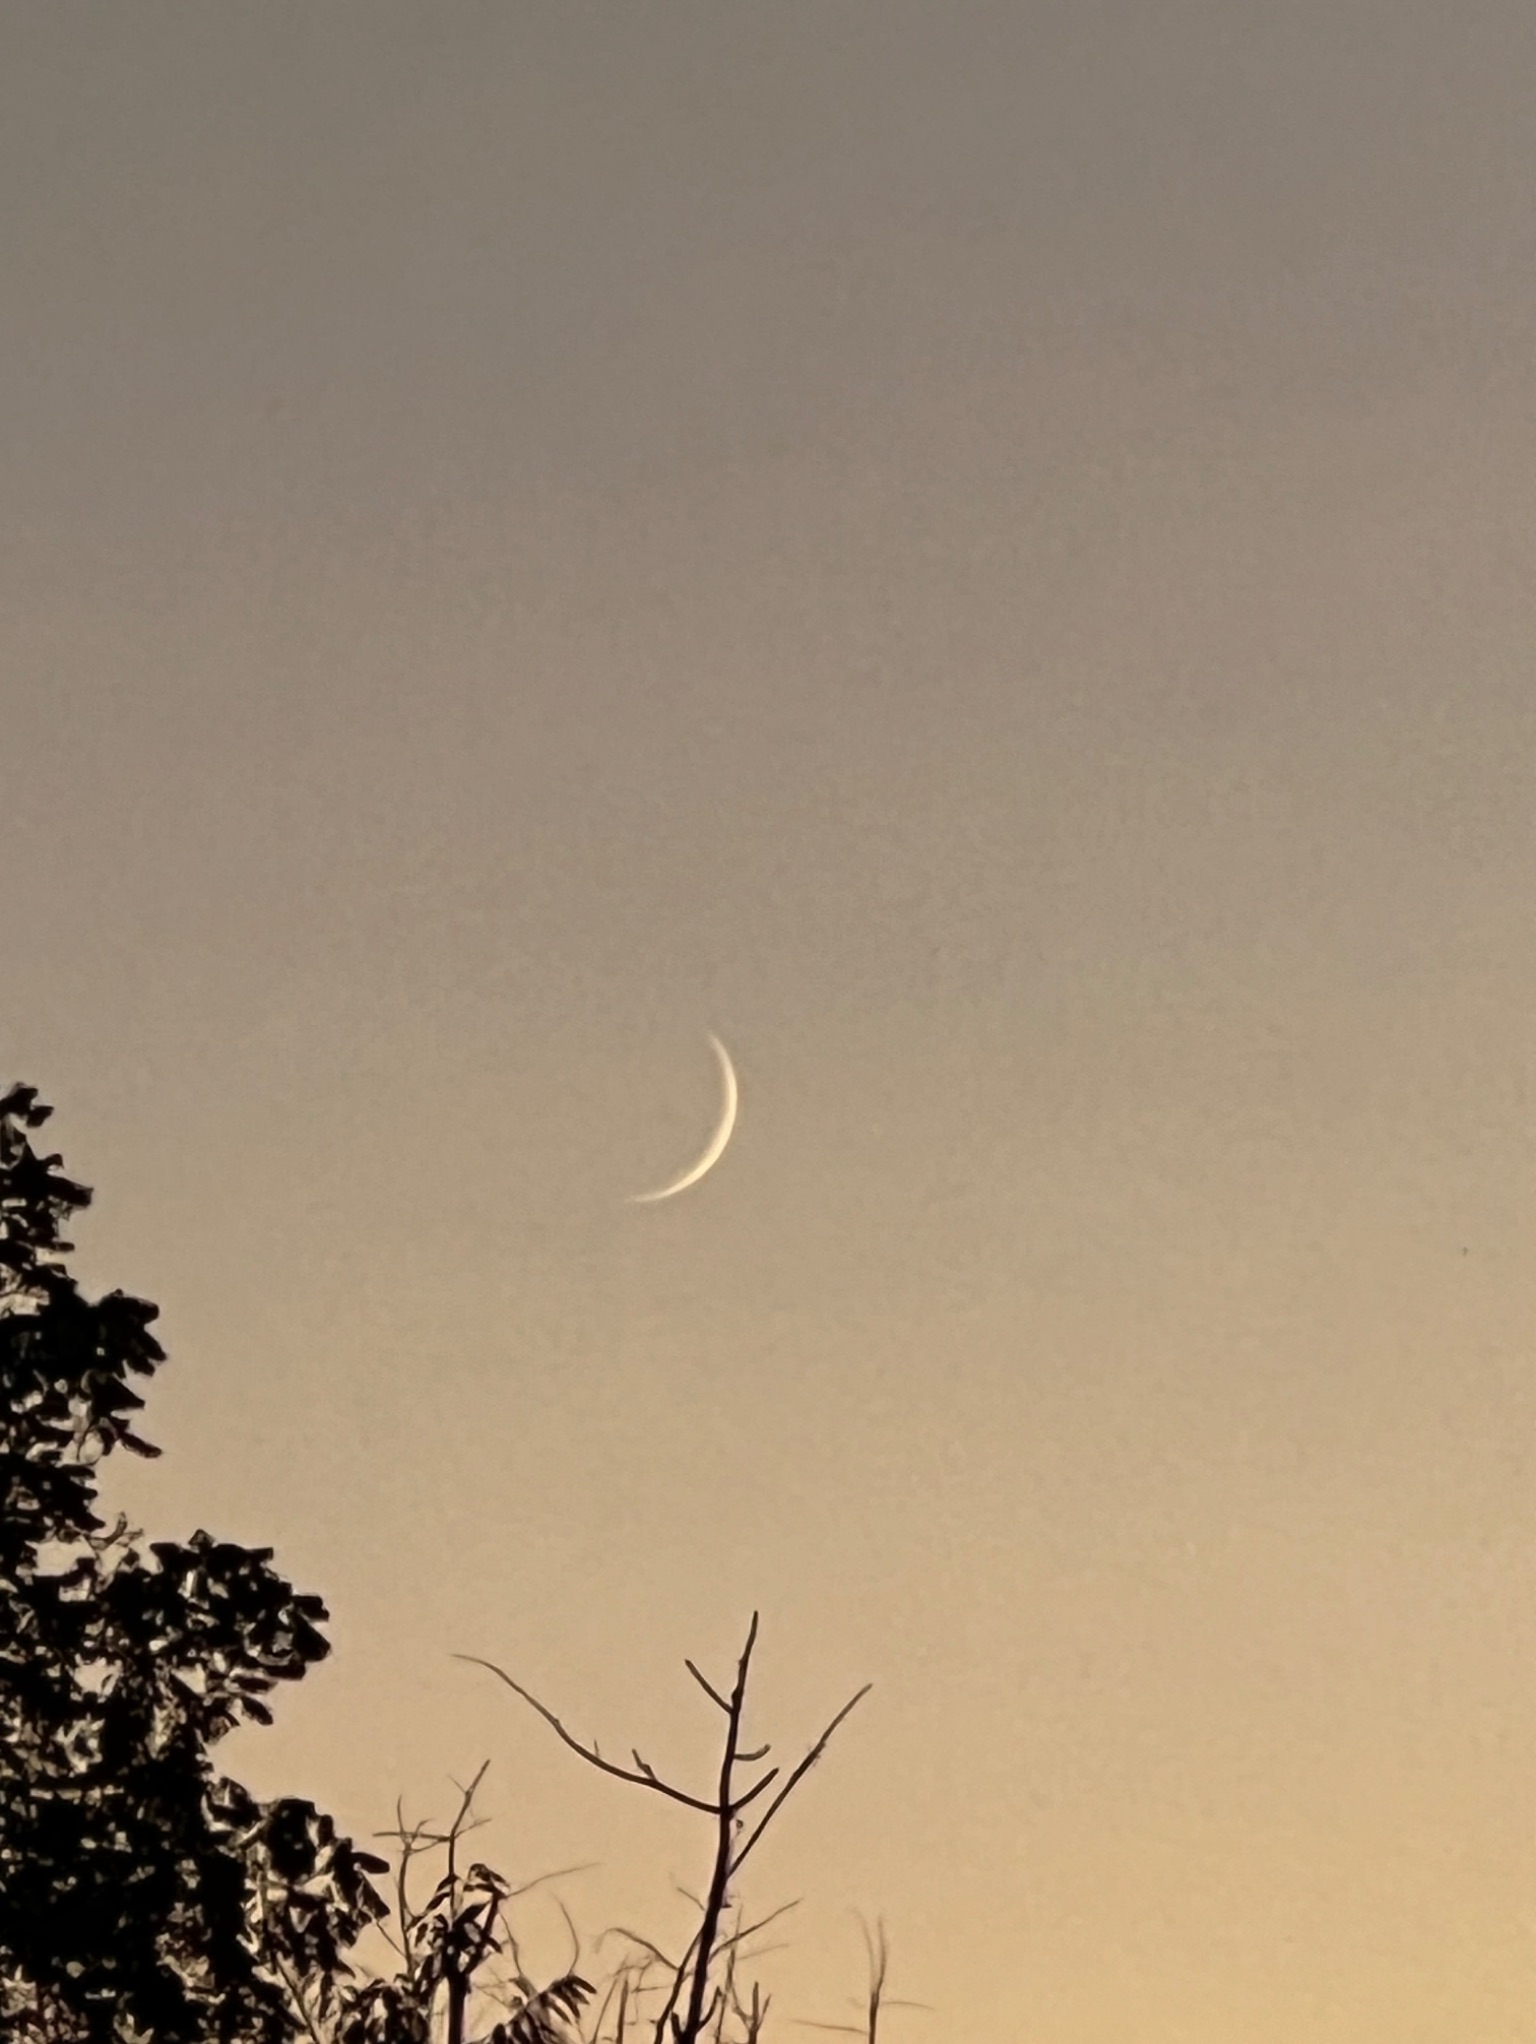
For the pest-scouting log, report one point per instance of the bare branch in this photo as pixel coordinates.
(618, 1930)
(796, 1776)
(590, 1753)
(666, 2022)
(703, 1993)
(696, 2016)
(467, 1797)
(878, 1954)
(751, 1930)
(570, 1924)
(557, 1874)
(739, 1803)
(706, 1685)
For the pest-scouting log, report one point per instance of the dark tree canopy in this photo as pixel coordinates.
(146, 1898)
(142, 1896)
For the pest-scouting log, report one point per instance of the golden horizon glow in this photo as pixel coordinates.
(984, 552)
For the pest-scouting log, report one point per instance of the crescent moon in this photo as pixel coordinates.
(717, 1141)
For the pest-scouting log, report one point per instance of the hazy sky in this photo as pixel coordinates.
(984, 553)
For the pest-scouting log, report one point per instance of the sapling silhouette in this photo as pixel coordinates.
(877, 1953)
(446, 1948)
(702, 1990)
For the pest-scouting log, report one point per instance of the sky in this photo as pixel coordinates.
(982, 553)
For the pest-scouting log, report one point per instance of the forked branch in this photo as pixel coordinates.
(695, 1999)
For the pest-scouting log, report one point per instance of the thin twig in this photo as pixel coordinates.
(590, 1753)
(796, 1776)
(617, 1930)
(705, 1684)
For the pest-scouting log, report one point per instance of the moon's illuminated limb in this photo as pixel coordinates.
(717, 1141)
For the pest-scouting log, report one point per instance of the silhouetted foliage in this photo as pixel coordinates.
(455, 1949)
(141, 1895)
(146, 1899)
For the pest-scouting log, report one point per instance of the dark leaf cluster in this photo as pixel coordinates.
(141, 1894)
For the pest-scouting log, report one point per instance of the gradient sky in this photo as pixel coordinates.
(984, 553)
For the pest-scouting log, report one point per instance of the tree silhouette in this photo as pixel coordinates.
(146, 1898)
(702, 1996)
(141, 1894)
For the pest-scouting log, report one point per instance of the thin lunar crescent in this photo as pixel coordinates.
(717, 1141)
